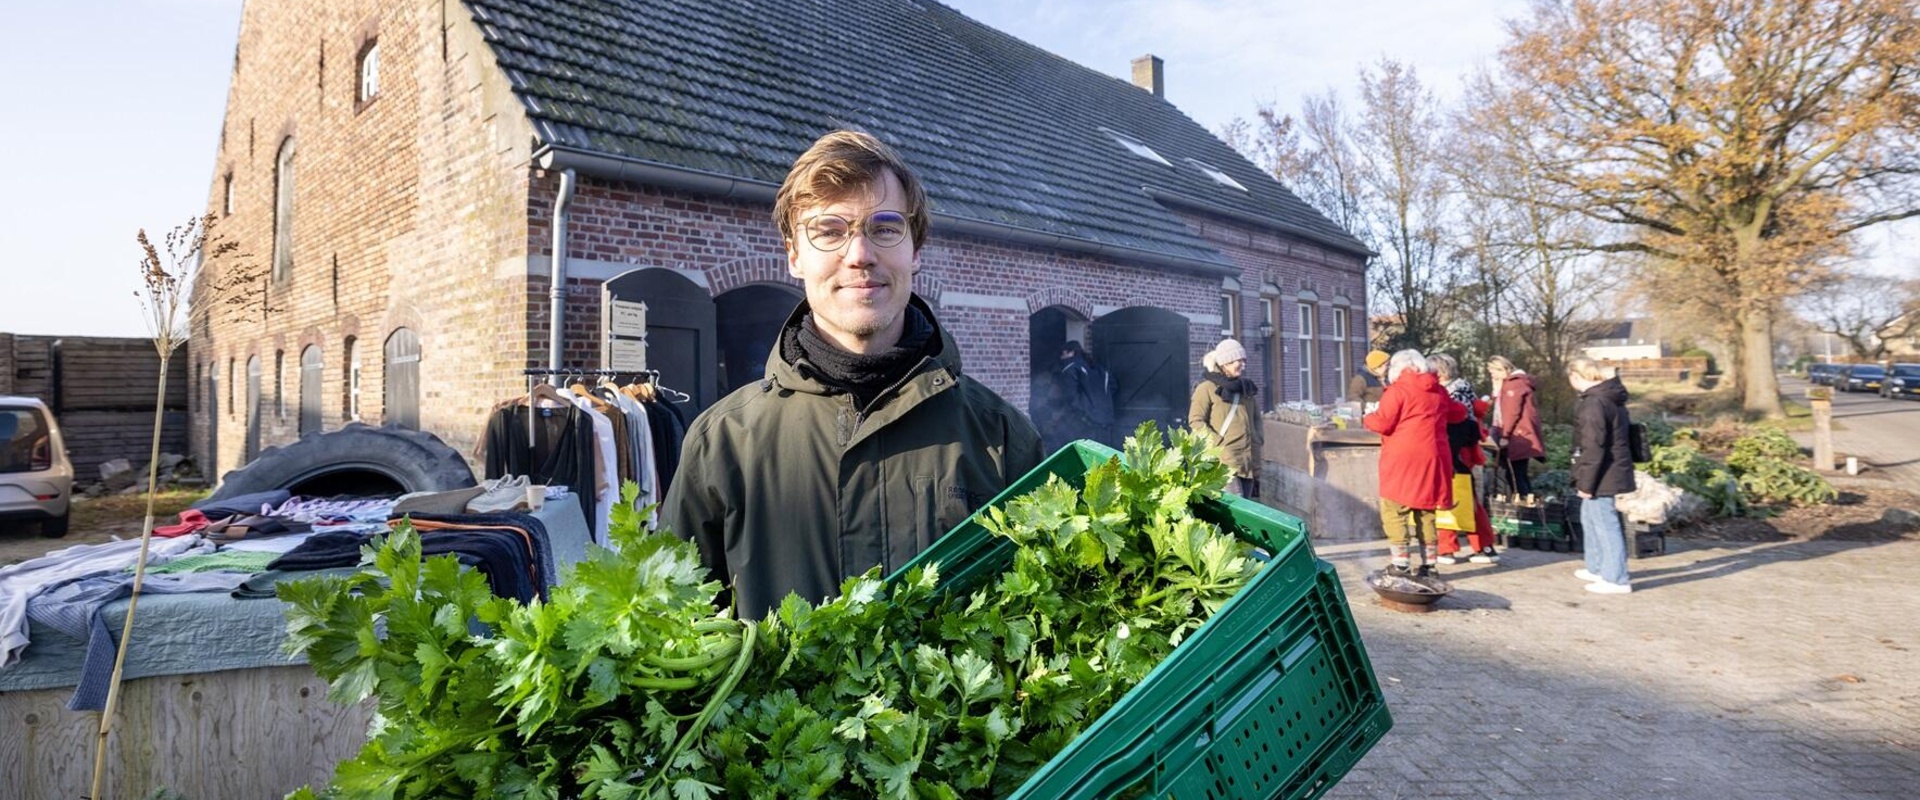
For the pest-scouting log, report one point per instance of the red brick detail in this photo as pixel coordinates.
(748, 271)
(1062, 296)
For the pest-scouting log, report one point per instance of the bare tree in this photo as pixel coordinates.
(1526, 245)
(1736, 143)
(1313, 155)
(1868, 312)
(1406, 190)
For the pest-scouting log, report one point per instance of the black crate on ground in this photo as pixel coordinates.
(1645, 539)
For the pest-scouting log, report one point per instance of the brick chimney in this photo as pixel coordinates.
(1149, 73)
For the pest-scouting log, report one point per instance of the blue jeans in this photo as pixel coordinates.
(1606, 544)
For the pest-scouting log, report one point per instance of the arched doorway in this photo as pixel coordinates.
(749, 322)
(1052, 401)
(675, 331)
(1146, 350)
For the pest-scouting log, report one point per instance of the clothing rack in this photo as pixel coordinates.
(651, 376)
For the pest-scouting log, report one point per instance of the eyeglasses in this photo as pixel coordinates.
(830, 233)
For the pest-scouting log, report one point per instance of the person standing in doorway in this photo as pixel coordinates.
(1602, 468)
(1226, 411)
(1088, 389)
(865, 441)
(1515, 427)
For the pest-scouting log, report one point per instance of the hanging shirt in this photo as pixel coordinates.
(557, 450)
(606, 461)
(640, 438)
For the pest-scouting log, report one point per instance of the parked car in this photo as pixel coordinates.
(1903, 381)
(1862, 378)
(36, 478)
(1823, 374)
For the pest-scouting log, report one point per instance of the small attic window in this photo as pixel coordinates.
(1138, 147)
(1218, 177)
(369, 72)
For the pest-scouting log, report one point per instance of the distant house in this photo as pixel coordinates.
(414, 174)
(1625, 340)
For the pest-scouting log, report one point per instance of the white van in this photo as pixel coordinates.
(36, 479)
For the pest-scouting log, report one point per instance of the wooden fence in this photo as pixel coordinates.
(101, 389)
(1660, 369)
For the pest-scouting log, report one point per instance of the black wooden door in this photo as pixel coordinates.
(680, 340)
(1146, 351)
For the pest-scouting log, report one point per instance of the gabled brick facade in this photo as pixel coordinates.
(423, 209)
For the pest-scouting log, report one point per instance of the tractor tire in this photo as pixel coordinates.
(413, 460)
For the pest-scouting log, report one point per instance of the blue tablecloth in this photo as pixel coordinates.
(180, 634)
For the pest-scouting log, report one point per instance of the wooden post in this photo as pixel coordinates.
(1822, 433)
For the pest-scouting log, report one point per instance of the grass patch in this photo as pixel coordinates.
(122, 509)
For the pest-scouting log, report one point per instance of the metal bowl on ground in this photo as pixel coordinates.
(1415, 595)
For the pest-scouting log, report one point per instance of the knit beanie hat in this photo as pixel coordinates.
(1377, 359)
(1228, 351)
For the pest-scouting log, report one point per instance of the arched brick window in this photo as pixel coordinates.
(283, 212)
(402, 385)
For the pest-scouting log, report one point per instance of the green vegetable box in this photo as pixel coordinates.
(1272, 698)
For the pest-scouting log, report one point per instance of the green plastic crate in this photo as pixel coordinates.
(1530, 529)
(1272, 698)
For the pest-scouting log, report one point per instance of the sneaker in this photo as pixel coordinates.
(1485, 557)
(1426, 571)
(1399, 571)
(1584, 575)
(1603, 587)
(1451, 559)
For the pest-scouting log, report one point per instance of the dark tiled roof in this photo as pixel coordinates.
(1001, 131)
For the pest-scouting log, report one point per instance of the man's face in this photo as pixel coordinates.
(859, 290)
(1232, 369)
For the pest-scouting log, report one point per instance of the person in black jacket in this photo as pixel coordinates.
(1602, 468)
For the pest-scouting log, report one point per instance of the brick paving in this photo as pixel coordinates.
(1776, 670)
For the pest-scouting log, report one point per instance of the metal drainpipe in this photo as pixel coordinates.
(557, 275)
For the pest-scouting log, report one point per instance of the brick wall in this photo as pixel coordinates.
(406, 206)
(618, 227)
(1292, 271)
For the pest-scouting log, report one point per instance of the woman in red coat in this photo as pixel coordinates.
(1416, 467)
(1515, 429)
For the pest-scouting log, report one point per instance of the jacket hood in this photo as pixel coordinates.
(788, 375)
(1611, 390)
(1418, 382)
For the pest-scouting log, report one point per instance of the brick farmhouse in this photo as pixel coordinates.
(399, 171)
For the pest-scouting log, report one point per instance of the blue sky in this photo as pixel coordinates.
(118, 131)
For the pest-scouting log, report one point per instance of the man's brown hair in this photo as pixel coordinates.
(840, 164)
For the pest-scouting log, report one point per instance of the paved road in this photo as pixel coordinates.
(1783, 670)
(1883, 433)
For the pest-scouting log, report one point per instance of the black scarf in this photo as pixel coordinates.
(1234, 388)
(863, 376)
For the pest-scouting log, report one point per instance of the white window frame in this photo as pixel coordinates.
(1136, 146)
(1343, 341)
(1229, 314)
(1307, 331)
(353, 386)
(368, 87)
(1216, 174)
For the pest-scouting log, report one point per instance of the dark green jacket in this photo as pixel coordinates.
(787, 488)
